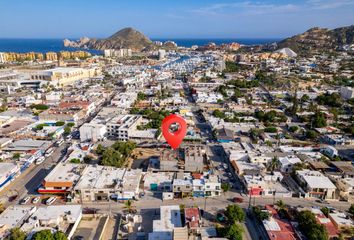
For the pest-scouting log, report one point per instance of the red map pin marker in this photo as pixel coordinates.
(174, 139)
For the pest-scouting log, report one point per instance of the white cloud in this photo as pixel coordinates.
(246, 7)
(329, 4)
(259, 8)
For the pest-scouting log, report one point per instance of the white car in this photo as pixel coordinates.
(50, 200)
(25, 200)
(40, 160)
(36, 200)
(225, 165)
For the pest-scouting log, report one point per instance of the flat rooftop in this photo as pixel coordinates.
(27, 145)
(14, 126)
(131, 179)
(100, 177)
(64, 173)
(170, 218)
(5, 168)
(14, 216)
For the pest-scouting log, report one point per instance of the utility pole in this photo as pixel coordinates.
(250, 199)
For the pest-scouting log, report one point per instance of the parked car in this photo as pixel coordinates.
(25, 200)
(36, 200)
(50, 200)
(237, 200)
(40, 160)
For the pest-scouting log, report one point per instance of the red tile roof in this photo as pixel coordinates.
(192, 217)
(286, 231)
(326, 222)
(197, 175)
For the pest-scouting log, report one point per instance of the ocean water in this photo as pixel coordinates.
(185, 42)
(56, 45)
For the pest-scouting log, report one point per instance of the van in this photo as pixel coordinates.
(50, 200)
(49, 152)
(59, 142)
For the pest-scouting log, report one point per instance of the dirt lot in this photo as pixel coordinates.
(142, 157)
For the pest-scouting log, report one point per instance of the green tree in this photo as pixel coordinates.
(87, 159)
(219, 114)
(260, 215)
(309, 226)
(70, 124)
(325, 211)
(234, 213)
(60, 236)
(271, 129)
(16, 156)
(128, 205)
(318, 120)
(351, 209)
(234, 232)
(311, 134)
(100, 149)
(273, 164)
(112, 157)
(304, 98)
(141, 96)
(225, 187)
(293, 128)
(295, 102)
(40, 107)
(67, 130)
(75, 161)
(43, 235)
(280, 204)
(59, 123)
(332, 100)
(17, 234)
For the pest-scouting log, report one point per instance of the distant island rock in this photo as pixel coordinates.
(125, 38)
(76, 44)
(319, 40)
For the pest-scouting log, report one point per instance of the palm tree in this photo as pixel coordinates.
(129, 206)
(280, 204)
(304, 99)
(273, 164)
(2, 207)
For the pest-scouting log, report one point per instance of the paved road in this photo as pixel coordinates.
(28, 181)
(216, 203)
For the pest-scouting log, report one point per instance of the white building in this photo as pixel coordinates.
(100, 183)
(7, 173)
(2, 57)
(92, 132)
(212, 186)
(63, 218)
(119, 53)
(170, 219)
(161, 54)
(347, 92)
(287, 163)
(120, 127)
(124, 100)
(266, 185)
(316, 184)
(31, 219)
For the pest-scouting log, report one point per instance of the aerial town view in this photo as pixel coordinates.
(177, 120)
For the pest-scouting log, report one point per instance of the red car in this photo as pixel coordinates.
(238, 200)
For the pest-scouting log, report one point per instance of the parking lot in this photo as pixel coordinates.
(38, 200)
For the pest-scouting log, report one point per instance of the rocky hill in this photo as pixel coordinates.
(125, 38)
(319, 40)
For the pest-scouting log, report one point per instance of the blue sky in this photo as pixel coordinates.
(170, 18)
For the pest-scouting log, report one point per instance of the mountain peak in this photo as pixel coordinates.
(125, 38)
